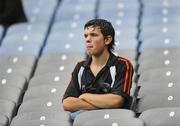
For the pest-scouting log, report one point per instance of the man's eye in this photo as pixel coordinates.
(93, 34)
(85, 36)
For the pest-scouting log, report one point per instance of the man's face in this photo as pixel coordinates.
(95, 41)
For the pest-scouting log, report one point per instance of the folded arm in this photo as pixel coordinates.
(103, 101)
(75, 104)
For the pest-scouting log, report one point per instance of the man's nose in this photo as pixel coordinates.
(88, 38)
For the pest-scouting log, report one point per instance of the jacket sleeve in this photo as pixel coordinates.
(123, 80)
(73, 89)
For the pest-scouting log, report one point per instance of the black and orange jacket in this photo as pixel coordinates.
(117, 73)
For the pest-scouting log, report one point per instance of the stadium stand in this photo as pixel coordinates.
(158, 73)
(37, 58)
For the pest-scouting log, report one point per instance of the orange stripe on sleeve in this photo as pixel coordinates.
(127, 75)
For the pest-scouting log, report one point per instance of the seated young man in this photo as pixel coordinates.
(104, 80)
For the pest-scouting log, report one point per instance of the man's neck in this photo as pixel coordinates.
(101, 60)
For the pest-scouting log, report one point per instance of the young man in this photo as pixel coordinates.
(104, 80)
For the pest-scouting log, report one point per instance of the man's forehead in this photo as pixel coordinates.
(93, 28)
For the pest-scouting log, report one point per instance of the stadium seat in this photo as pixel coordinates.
(24, 38)
(114, 122)
(11, 93)
(128, 54)
(36, 12)
(65, 42)
(41, 123)
(67, 2)
(45, 91)
(161, 81)
(167, 31)
(27, 27)
(159, 73)
(67, 26)
(15, 49)
(48, 115)
(54, 78)
(7, 108)
(41, 104)
(157, 62)
(57, 117)
(157, 100)
(25, 60)
(3, 120)
(16, 70)
(14, 81)
(103, 114)
(54, 67)
(162, 43)
(72, 15)
(78, 11)
(160, 52)
(159, 87)
(160, 3)
(161, 116)
(66, 58)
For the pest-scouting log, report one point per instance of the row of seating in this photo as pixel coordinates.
(19, 52)
(158, 90)
(42, 100)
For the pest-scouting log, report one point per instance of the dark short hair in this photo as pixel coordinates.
(106, 29)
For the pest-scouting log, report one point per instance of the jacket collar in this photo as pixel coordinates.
(109, 63)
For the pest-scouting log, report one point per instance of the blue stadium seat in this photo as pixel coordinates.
(38, 27)
(14, 49)
(75, 2)
(67, 26)
(36, 12)
(24, 38)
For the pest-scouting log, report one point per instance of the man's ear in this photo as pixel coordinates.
(108, 39)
